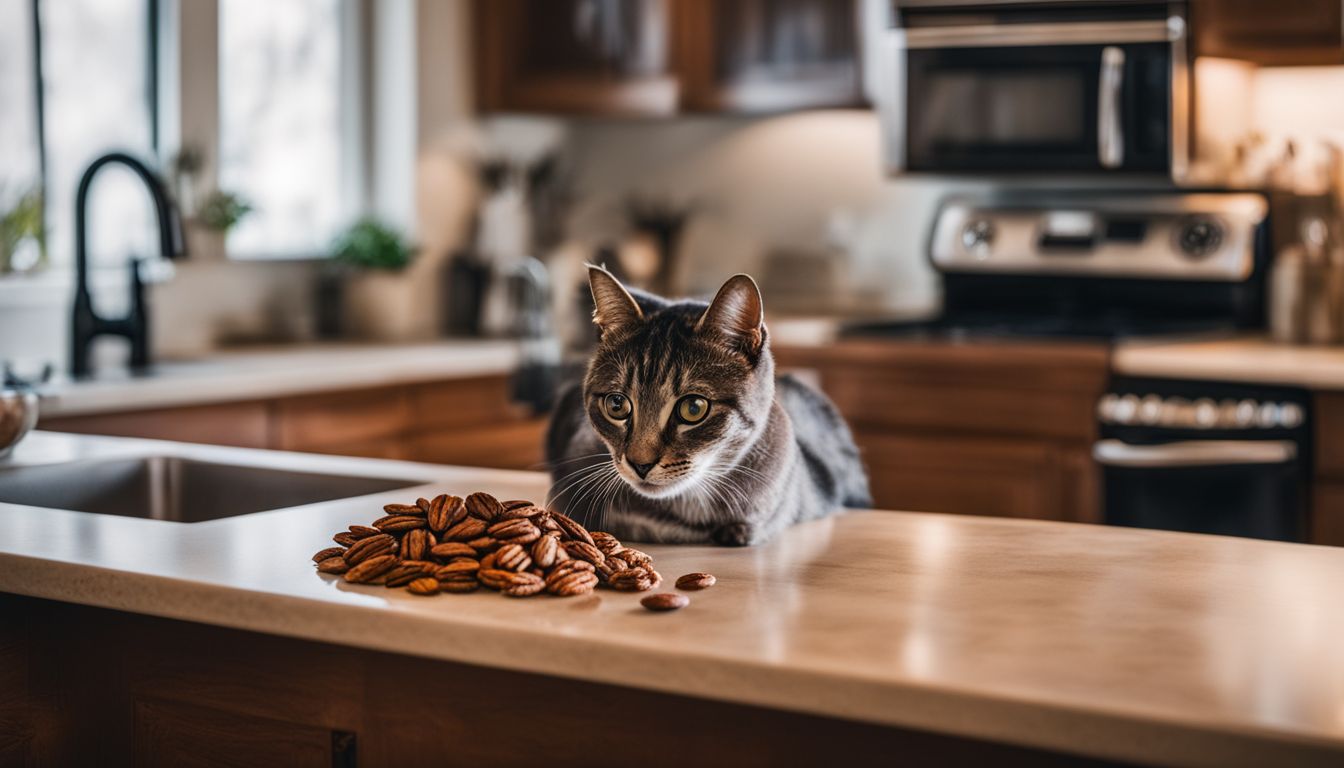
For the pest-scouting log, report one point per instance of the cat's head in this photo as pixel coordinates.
(677, 391)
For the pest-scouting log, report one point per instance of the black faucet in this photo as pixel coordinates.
(85, 324)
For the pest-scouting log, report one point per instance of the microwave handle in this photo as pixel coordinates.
(1193, 453)
(1110, 132)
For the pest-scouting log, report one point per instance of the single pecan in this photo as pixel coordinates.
(631, 580)
(402, 509)
(512, 557)
(415, 544)
(665, 601)
(483, 506)
(607, 543)
(519, 531)
(363, 531)
(363, 549)
(333, 565)
(469, 528)
(423, 587)
(399, 523)
(571, 583)
(445, 511)
(367, 571)
(544, 550)
(582, 550)
(327, 553)
(422, 504)
(634, 557)
(484, 544)
(696, 581)
(455, 586)
(526, 511)
(458, 568)
(572, 530)
(345, 538)
(451, 549)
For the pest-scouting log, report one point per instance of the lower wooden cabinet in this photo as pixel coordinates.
(471, 422)
(977, 476)
(1327, 513)
(172, 734)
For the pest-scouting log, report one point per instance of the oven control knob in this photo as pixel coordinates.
(1245, 414)
(978, 236)
(1267, 416)
(1177, 412)
(1126, 409)
(1290, 415)
(1106, 408)
(1150, 410)
(1198, 237)
(1206, 413)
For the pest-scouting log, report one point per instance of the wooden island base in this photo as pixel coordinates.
(89, 686)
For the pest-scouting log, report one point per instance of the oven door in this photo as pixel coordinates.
(1077, 98)
(1253, 488)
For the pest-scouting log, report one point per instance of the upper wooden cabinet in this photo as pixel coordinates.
(610, 56)
(658, 57)
(769, 55)
(1282, 33)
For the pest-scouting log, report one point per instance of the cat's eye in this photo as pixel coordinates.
(616, 406)
(692, 409)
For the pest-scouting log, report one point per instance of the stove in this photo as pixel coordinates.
(1095, 266)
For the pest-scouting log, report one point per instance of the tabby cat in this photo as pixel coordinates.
(681, 432)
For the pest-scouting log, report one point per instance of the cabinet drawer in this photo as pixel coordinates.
(175, 734)
(321, 422)
(239, 424)
(507, 445)
(466, 402)
(999, 478)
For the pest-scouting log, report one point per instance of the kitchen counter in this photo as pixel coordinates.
(1250, 359)
(254, 374)
(1118, 643)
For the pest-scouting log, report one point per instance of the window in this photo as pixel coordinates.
(284, 141)
(96, 97)
(20, 160)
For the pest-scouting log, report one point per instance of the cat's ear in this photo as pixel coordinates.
(613, 306)
(737, 314)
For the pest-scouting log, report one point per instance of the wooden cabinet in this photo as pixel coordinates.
(658, 57)
(609, 56)
(1281, 33)
(769, 55)
(175, 693)
(989, 429)
(470, 421)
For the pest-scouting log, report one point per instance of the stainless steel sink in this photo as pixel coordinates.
(182, 490)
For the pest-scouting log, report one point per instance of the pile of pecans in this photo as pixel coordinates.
(450, 544)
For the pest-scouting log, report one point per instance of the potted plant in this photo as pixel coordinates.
(22, 234)
(379, 297)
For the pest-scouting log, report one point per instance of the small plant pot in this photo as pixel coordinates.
(382, 306)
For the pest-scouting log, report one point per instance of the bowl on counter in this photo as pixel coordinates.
(18, 416)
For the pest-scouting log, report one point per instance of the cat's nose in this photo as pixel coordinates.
(642, 469)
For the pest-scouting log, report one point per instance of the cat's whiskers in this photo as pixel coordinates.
(569, 483)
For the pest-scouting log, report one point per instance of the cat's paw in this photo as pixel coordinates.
(733, 535)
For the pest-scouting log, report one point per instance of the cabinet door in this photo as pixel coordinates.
(596, 56)
(1327, 514)
(1281, 33)
(246, 425)
(768, 55)
(505, 445)
(174, 734)
(998, 478)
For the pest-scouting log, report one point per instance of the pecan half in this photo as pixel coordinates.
(570, 583)
(512, 557)
(399, 523)
(483, 506)
(572, 530)
(519, 531)
(424, 587)
(329, 552)
(607, 543)
(696, 581)
(544, 550)
(382, 544)
(469, 528)
(402, 509)
(415, 544)
(369, 570)
(582, 550)
(333, 565)
(445, 511)
(666, 601)
(451, 549)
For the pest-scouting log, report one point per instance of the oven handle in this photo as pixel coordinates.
(1194, 453)
(1016, 35)
(1110, 128)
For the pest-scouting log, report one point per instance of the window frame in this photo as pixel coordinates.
(198, 90)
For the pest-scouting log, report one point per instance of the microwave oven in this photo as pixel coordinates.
(1071, 89)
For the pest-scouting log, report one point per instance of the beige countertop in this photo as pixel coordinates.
(277, 371)
(1251, 359)
(1129, 644)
